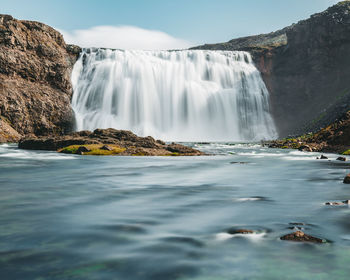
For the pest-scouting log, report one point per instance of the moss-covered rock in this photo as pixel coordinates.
(92, 149)
(107, 142)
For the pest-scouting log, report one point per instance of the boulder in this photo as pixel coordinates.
(341, 158)
(300, 236)
(323, 157)
(177, 148)
(106, 148)
(347, 179)
(305, 148)
(335, 203)
(82, 149)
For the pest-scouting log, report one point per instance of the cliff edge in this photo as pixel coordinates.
(35, 87)
(305, 67)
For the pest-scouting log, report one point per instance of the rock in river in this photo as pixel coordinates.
(347, 179)
(239, 231)
(300, 236)
(106, 142)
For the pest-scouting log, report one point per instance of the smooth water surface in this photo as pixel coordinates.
(90, 217)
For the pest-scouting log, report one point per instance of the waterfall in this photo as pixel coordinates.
(189, 95)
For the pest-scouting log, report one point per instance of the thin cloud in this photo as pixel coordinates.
(124, 37)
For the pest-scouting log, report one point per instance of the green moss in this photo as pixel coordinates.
(284, 147)
(95, 150)
(346, 153)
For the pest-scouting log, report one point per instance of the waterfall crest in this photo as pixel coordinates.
(189, 95)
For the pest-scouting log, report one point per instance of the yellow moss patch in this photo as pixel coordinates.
(346, 153)
(95, 149)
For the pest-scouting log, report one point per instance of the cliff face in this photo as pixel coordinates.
(306, 68)
(35, 87)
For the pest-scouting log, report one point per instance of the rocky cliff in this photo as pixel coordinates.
(306, 68)
(335, 138)
(35, 87)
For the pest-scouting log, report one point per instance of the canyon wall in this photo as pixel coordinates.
(306, 68)
(35, 86)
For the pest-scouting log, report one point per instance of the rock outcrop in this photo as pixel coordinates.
(305, 67)
(300, 236)
(334, 138)
(7, 133)
(104, 142)
(35, 87)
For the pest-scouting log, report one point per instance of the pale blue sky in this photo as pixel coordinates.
(196, 21)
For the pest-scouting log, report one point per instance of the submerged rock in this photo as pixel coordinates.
(300, 236)
(240, 231)
(338, 203)
(106, 142)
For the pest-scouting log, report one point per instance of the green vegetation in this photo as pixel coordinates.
(346, 153)
(95, 149)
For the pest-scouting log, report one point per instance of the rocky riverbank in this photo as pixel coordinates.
(334, 138)
(107, 142)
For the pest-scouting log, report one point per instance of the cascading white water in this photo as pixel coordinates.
(172, 95)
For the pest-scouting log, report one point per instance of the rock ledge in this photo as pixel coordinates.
(106, 142)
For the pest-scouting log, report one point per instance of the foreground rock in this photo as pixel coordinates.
(106, 142)
(347, 179)
(35, 86)
(300, 236)
(337, 203)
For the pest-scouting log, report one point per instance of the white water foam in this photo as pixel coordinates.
(8, 151)
(255, 237)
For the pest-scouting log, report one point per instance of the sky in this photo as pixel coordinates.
(161, 24)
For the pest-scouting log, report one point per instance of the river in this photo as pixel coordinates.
(89, 217)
